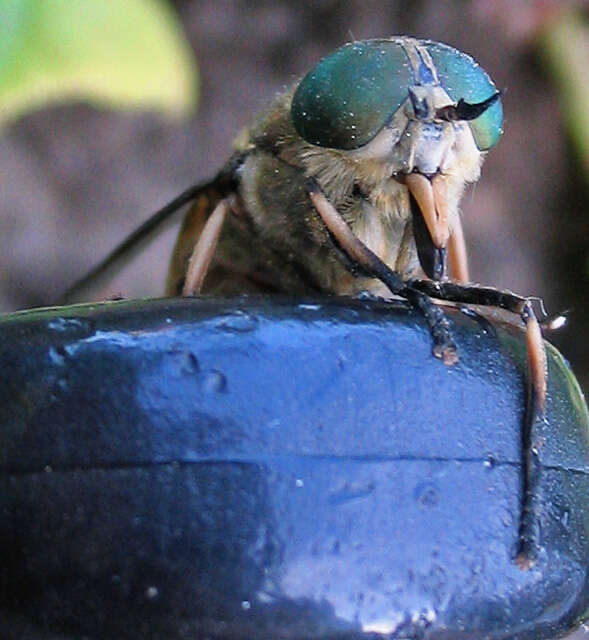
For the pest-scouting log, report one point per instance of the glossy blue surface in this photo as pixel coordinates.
(259, 470)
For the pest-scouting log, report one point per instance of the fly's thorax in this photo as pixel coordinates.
(273, 131)
(273, 194)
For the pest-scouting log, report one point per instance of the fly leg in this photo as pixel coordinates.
(457, 253)
(369, 263)
(491, 297)
(535, 401)
(203, 252)
(419, 293)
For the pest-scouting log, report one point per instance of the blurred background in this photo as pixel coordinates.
(99, 127)
(147, 105)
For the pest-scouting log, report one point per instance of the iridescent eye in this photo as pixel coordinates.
(462, 77)
(351, 94)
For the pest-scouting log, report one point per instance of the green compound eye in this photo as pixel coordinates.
(462, 77)
(353, 93)
(349, 96)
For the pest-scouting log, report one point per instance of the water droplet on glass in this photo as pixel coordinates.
(57, 356)
(190, 364)
(67, 324)
(426, 494)
(151, 593)
(237, 322)
(214, 382)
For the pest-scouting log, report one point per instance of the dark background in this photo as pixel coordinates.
(74, 180)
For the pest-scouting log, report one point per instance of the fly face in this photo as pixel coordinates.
(423, 114)
(418, 140)
(434, 158)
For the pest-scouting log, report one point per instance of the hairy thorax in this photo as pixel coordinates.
(292, 249)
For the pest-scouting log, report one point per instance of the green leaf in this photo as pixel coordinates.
(565, 49)
(116, 53)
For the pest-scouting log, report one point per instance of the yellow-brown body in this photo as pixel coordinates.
(274, 240)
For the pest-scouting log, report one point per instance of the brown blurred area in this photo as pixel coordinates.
(75, 180)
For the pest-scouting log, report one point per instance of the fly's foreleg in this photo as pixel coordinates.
(420, 294)
(369, 263)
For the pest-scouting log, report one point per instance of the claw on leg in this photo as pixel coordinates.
(490, 297)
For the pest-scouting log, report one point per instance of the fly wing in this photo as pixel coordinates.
(208, 192)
